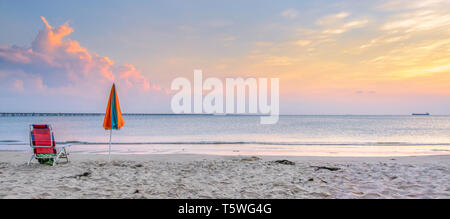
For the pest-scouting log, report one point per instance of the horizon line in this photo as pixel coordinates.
(4, 114)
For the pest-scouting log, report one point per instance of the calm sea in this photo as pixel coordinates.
(180, 133)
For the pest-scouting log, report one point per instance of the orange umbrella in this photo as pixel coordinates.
(113, 116)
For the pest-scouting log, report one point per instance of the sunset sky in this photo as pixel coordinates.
(332, 57)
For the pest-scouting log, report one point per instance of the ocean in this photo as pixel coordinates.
(228, 134)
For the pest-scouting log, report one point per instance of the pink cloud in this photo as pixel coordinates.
(133, 77)
(61, 62)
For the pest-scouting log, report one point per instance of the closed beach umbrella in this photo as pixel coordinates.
(113, 116)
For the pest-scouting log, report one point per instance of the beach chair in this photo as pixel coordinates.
(42, 142)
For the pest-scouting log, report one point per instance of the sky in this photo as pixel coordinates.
(332, 57)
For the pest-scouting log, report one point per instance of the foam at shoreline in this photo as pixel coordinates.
(255, 149)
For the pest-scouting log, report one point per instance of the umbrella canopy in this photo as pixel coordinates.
(113, 116)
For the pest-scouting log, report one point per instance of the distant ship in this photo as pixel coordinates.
(421, 114)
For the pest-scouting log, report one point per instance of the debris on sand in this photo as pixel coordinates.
(251, 158)
(138, 165)
(320, 180)
(285, 162)
(78, 176)
(326, 168)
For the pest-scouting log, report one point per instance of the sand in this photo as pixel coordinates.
(209, 176)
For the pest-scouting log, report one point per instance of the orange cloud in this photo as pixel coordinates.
(51, 38)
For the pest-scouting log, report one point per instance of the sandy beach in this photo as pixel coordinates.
(210, 176)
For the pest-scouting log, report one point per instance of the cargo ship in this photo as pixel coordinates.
(421, 114)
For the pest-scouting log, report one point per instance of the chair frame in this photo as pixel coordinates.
(62, 153)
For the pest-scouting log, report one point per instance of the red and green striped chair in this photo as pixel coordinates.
(42, 141)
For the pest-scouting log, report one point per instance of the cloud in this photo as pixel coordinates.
(309, 42)
(58, 62)
(416, 21)
(290, 13)
(302, 42)
(338, 23)
(132, 77)
(414, 24)
(424, 57)
(57, 74)
(416, 15)
(327, 31)
(394, 5)
(331, 19)
(342, 28)
(434, 69)
(385, 40)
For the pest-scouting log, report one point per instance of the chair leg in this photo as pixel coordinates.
(31, 159)
(65, 154)
(55, 159)
(58, 155)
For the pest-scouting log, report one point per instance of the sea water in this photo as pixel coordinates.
(228, 133)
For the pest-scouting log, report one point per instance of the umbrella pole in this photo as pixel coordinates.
(110, 134)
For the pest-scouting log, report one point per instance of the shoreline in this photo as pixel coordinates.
(194, 176)
(17, 157)
(255, 150)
